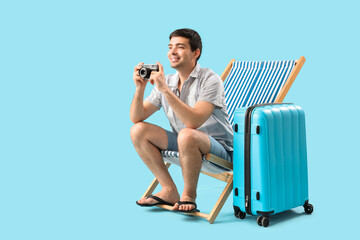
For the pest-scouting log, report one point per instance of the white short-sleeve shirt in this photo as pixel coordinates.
(202, 85)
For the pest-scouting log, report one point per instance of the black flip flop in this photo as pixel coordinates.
(185, 211)
(159, 202)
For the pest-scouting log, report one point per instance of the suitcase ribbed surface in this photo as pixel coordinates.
(278, 158)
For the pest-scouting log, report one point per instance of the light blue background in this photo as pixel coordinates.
(68, 169)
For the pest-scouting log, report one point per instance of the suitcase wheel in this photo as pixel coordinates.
(263, 221)
(241, 215)
(238, 213)
(308, 208)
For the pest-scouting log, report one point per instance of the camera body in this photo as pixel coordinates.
(146, 69)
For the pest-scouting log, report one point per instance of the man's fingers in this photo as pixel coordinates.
(153, 74)
(161, 69)
(140, 79)
(137, 67)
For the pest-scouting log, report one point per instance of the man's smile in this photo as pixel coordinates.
(174, 59)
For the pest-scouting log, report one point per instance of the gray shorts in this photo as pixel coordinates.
(215, 147)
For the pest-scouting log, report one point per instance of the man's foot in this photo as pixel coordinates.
(167, 197)
(186, 204)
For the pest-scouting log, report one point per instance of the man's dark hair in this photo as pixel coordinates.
(192, 35)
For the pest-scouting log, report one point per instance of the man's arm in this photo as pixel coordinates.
(192, 117)
(140, 109)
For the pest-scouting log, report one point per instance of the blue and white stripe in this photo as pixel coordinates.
(207, 166)
(251, 83)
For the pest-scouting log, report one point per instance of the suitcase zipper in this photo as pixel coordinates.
(247, 148)
(247, 174)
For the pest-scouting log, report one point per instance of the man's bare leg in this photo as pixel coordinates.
(192, 145)
(148, 139)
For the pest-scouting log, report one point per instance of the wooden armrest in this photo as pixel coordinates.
(219, 161)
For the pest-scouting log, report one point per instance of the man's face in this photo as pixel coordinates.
(180, 54)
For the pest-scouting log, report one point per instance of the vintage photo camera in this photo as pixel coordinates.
(146, 70)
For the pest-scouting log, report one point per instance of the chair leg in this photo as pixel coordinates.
(221, 201)
(215, 211)
(153, 184)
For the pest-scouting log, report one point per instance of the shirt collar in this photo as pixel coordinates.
(195, 71)
(194, 74)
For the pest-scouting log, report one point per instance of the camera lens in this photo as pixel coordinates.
(143, 72)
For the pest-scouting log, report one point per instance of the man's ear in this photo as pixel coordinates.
(197, 53)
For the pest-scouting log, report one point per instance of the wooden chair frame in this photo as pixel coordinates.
(228, 176)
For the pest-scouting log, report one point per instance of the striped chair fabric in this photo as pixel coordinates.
(207, 166)
(247, 84)
(251, 83)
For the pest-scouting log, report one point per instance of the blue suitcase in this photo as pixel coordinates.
(270, 161)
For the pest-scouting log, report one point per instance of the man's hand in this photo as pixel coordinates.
(139, 81)
(159, 78)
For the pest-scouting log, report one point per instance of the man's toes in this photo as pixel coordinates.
(176, 207)
(185, 207)
(142, 201)
(145, 201)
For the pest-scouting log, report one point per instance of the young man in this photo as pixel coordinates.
(194, 101)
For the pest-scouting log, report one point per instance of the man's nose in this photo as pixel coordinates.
(173, 51)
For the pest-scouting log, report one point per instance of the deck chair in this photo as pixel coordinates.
(247, 84)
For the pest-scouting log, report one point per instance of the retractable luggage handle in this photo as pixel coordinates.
(247, 147)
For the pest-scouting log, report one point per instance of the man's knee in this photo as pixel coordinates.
(187, 137)
(137, 131)
(146, 132)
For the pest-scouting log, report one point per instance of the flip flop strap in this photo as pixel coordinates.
(160, 201)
